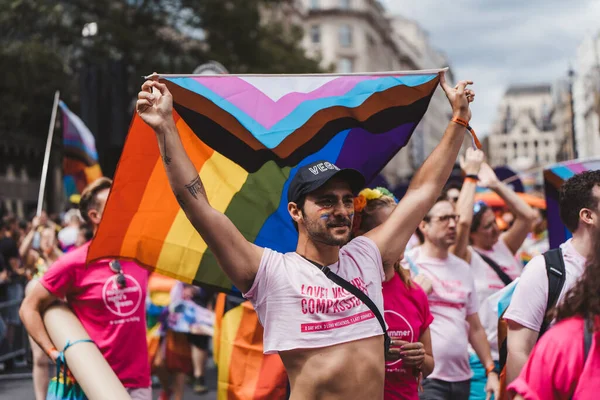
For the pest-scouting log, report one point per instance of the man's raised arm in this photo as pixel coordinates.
(238, 258)
(426, 185)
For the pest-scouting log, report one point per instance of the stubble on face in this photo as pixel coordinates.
(319, 230)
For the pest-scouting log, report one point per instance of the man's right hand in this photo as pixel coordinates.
(471, 162)
(155, 106)
(459, 97)
(35, 222)
(53, 354)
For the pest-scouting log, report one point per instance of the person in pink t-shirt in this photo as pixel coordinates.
(453, 302)
(579, 207)
(107, 296)
(565, 364)
(477, 226)
(331, 344)
(406, 308)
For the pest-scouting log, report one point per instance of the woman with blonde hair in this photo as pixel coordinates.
(406, 309)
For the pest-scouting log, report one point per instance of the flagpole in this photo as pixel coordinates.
(47, 154)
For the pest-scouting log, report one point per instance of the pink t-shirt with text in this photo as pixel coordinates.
(114, 318)
(488, 283)
(452, 299)
(299, 307)
(408, 317)
(528, 304)
(556, 368)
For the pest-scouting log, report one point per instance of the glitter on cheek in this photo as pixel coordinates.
(351, 216)
(324, 216)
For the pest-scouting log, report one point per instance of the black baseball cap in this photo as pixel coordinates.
(312, 176)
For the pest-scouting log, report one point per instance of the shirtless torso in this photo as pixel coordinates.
(353, 370)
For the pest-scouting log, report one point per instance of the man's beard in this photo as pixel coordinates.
(320, 234)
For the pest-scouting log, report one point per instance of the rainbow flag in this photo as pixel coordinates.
(246, 136)
(80, 159)
(553, 180)
(244, 372)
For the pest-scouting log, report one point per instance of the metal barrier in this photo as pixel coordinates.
(14, 341)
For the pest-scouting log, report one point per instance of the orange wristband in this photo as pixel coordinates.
(472, 180)
(462, 122)
(490, 368)
(51, 349)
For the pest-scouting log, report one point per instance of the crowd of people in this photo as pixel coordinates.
(27, 249)
(383, 298)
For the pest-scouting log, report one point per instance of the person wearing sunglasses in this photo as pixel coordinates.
(454, 305)
(490, 253)
(107, 296)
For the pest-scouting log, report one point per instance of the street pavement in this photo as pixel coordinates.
(22, 389)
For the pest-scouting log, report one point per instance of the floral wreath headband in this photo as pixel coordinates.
(365, 195)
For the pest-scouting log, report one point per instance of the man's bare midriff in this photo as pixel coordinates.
(353, 370)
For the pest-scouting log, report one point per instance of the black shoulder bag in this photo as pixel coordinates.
(497, 269)
(556, 272)
(338, 280)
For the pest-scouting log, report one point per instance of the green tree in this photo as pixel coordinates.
(42, 49)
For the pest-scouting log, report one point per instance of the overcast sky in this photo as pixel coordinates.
(498, 43)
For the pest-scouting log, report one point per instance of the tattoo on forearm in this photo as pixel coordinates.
(180, 201)
(166, 158)
(195, 187)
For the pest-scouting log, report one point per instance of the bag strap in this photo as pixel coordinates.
(338, 280)
(588, 334)
(61, 361)
(555, 270)
(497, 269)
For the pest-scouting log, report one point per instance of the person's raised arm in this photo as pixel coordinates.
(238, 258)
(427, 183)
(27, 241)
(470, 165)
(524, 214)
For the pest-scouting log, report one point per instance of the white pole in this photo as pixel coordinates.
(47, 154)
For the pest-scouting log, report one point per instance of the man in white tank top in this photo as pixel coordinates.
(318, 329)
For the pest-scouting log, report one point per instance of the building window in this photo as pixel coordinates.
(315, 34)
(524, 131)
(535, 144)
(345, 4)
(345, 65)
(504, 145)
(315, 4)
(525, 144)
(515, 145)
(345, 35)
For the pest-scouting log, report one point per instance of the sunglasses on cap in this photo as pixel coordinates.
(115, 267)
(479, 206)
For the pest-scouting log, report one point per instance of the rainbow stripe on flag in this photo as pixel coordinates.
(553, 180)
(246, 136)
(80, 161)
(244, 372)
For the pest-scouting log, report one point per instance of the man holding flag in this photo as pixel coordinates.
(317, 329)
